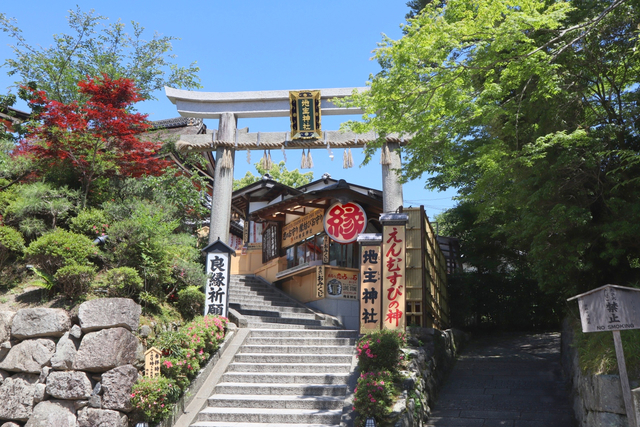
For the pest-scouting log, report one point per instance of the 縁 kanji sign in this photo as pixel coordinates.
(370, 282)
(344, 222)
(393, 271)
(217, 286)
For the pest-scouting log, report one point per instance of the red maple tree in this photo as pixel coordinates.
(97, 138)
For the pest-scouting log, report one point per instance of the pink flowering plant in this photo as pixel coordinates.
(184, 352)
(373, 396)
(153, 398)
(380, 351)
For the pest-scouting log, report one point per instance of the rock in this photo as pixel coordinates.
(40, 393)
(95, 401)
(6, 318)
(44, 374)
(106, 349)
(606, 419)
(3, 375)
(90, 417)
(139, 363)
(145, 331)
(117, 384)
(97, 389)
(4, 349)
(53, 413)
(40, 322)
(109, 313)
(75, 331)
(602, 393)
(69, 385)
(79, 404)
(65, 354)
(29, 356)
(10, 424)
(16, 395)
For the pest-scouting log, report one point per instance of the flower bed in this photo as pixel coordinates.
(183, 351)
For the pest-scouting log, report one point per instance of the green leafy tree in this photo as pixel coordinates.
(279, 173)
(531, 112)
(93, 49)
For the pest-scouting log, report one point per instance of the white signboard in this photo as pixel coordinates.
(217, 287)
(609, 308)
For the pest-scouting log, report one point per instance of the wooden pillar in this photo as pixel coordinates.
(391, 186)
(222, 183)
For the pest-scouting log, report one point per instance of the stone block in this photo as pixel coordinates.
(40, 322)
(29, 356)
(105, 313)
(75, 331)
(10, 424)
(40, 394)
(606, 419)
(602, 393)
(65, 354)
(53, 413)
(91, 417)
(3, 375)
(16, 397)
(6, 318)
(116, 385)
(106, 349)
(69, 385)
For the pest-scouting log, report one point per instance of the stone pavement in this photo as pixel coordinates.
(511, 380)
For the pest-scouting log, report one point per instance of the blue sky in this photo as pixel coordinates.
(253, 45)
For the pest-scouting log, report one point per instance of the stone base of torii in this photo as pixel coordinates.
(229, 106)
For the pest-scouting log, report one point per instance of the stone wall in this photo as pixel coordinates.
(597, 399)
(61, 370)
(431, 354)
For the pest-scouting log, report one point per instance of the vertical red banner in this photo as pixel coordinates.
(370, 288)
(393, 276)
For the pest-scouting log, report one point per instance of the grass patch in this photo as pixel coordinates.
(597, 353)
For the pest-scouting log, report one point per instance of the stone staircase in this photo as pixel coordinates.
(291, 371)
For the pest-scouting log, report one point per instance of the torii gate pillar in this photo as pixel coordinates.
(222, 183)
(391, 186)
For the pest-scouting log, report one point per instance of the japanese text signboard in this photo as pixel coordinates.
(218, 275)
(609, 308)
(305, 114)
(303, 227)
(342, 283)
(320, 282)
(393, 271)
(344, 222)
(152, 362)
(370, 283)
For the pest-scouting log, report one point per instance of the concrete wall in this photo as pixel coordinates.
(345, 310)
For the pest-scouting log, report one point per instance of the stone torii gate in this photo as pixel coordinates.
(228, 107)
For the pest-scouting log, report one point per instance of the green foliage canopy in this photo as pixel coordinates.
(279, 173)
(94, 49)
(530, 109)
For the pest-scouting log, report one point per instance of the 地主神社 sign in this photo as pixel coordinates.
(344, 222)
(301, 228)
(305, 114)
(609, 308)
(370, 282)
(218, 275)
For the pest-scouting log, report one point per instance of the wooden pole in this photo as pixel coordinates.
(624, 379)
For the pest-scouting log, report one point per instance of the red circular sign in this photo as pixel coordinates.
(343, 223)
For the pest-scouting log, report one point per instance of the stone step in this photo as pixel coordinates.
(326, 367)
(338, 333)
(300, 342)
(257, 292)
(283, 308)
(268, 415)
(259, 325)
(285, 378)
(280, 314)
(282, 389)
(258, 299)
(243, 424)
(275, 402)
(300, 349)
(291, 358)
(309, 320)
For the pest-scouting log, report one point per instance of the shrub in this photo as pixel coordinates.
(11, 244)
(191, 301)
(154, 397)
(380, 351)
(58, 248)
(73, 280)
(90, 222)
(123, 282)
(373, 396)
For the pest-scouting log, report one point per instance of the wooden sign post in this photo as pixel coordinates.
(612, 308)
(370, 282)
(394, 257)
(218, 276)
(152, 362)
